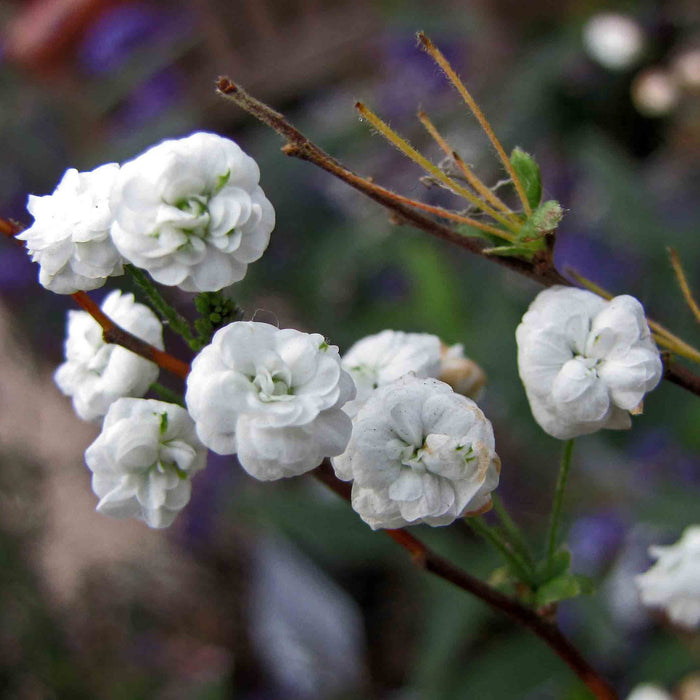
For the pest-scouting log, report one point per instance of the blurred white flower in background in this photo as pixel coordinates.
(95, 373)
(191, 213)
(274, 397)
(647, 691)
(586, 363)
(673, 582)
(143, 460)
(655, 92)
(70, 236)
(460, 372)
(614, 40)
(419, 453)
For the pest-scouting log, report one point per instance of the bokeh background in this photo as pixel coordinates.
(267, 591)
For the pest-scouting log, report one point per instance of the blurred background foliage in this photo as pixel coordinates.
(264, 591)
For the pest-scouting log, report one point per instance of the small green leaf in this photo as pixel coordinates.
(528, 173)
(559, 565)
(562, 588)
(163, 422)
(547, 216)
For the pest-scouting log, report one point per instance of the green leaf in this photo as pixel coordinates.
(558, 566)
(528, 173)
(547, 216)
(562, 588)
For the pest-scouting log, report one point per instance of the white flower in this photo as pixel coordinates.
(272, 396)
(95, 373)
(673, 582)
(419, 453)
(613, 40)
(191, 213)
(647, 691)
(70, 235)
(461, 373)
(586, 363)
(383, 358)
(143, 460)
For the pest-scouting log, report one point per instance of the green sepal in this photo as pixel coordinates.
(547, 217)
(528, 173)
(562, 588)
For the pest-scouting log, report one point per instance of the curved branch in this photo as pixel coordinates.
(424, 558)
(111, 331)
(299, 146)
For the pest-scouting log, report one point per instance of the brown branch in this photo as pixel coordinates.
(112, 332)
(299, 146)
(423, 557)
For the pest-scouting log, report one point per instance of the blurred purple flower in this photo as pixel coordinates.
(411, 76)
(149, 100)
(594, 541)
(16, 268)
(109, 41)
(592, 258)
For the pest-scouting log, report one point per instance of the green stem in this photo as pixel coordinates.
(555, 519)
(513, 532)
(517, 564)
(167, 313)
(166, 394)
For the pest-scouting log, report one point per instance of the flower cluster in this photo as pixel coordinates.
(95, 373)
(143, 460)
(586, 363)
(673, 583)
(419, 453)
(189, 211)
(274, 397)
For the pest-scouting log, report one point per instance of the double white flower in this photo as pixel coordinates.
(673, 582)
(95, 373)
(191, 212)
(70, 236)
(586, 363)
(419, 453)
(143, 460)
(274, 397)
(380, 359)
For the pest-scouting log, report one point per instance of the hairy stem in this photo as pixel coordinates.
(424, 558)
(555, 518)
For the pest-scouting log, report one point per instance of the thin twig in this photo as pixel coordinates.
(299, 146)
(112, 332)
(466, 171)
(683, 283)
(426, 559)
(452, 76)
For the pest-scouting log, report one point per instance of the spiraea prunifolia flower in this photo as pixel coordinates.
(673, 582)
(274, 397)
(96, 374)
(586, 363)
(70, 236)
(143, 461)
(191, 213)
(419, 453)
(380, 359)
